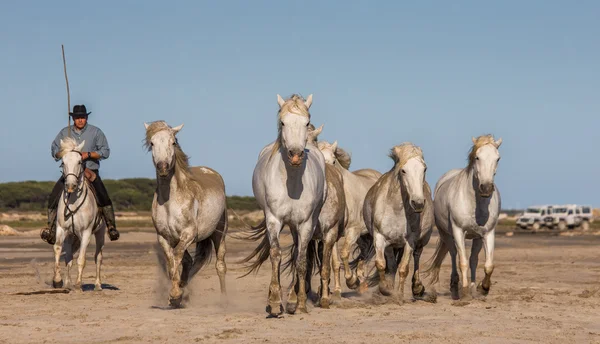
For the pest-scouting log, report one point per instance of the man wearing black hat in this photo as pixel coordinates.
(95, 149)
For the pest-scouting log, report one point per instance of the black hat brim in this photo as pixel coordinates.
(80, 114)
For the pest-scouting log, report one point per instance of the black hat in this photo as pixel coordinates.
(79, 110)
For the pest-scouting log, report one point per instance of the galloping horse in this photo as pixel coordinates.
(189, 207)
(467, 206)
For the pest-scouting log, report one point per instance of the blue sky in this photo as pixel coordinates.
(434, 73)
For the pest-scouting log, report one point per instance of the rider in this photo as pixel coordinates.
(95, 149)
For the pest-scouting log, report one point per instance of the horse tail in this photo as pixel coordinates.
(261, 253)
(365, 249)
(435, 262)
(313, 262)
(202, 256)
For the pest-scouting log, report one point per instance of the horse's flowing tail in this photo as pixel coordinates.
(365, 249)
(313, 262)
(435, 262)
(202, 256)
(261, 253)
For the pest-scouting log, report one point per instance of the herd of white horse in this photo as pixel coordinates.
(305, 184)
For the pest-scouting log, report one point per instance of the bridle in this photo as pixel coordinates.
(68, 211)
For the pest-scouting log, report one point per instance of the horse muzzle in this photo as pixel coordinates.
(70, 188)
(162, 168)
(417, 205)
(486, 190)
(296, 158)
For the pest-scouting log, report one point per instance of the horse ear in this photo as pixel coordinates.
(308, 101)
(280, 101)
(474, 140)
(334, 146)
(498, 142)
(177, 129)
(146, 125)
(318, 131)
(80, 147)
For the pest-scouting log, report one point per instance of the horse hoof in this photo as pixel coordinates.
(98, 287)
(324, 303)
(455, 295)
(175, 302)
(290, 308)
(363, 287)
(269, 310)
(303, 309)
(418, 290)
(337, 295)
(58, 284)
(483, 290)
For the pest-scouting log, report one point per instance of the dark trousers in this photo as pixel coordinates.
(97, 184)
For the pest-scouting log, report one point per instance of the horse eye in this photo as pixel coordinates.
(152, 144)
(404, 171)
(307, 124)
(476, 158)
(498, 160)
(282, 124)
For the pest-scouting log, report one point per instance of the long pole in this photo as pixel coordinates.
(68, 92)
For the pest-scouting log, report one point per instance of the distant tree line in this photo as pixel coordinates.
(126, 194)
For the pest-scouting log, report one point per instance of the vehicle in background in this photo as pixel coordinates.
(587, 216)
(566, 216)
(534, 217)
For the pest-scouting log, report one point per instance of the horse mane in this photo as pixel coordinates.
(68, 144)
(295, 104)
(404, 152)
(182, 166)
(341, 155)
(479, 142)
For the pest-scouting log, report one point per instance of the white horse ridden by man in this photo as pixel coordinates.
(466, 206)
(398, 212)
(289, 185)
(78, 217)
(189, 207)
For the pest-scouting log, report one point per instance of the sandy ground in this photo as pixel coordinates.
(545, 289)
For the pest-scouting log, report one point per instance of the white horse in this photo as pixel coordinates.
(289, 185)
(467, 206)
(189, 207)
(78, 217)
(398, 212)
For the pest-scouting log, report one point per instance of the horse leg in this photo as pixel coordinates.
(218, 239)
(474, 259)
(488, 244)
(168, 251)
(99, 237)
(68, 245)
(328, 244)
(305, 232)
(85, 240)
(459, 239)
(185, 239)
(418, 289)
(57, 281)
(274, 307)
(352, 280)
(186, 265)
(336, 265)
(292, 300)
(403, 271)
(380, 263)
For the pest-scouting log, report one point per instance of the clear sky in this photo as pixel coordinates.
(382, 72)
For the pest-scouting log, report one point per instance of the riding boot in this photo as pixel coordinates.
(48, 234)
(109, 218)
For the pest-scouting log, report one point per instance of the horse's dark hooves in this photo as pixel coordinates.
(290, 308)
(113, 234)
(482, 290)
(455, 294)
(418, 290)
(176, 302)
(269, 310)
(353, 283)
(58, 284)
